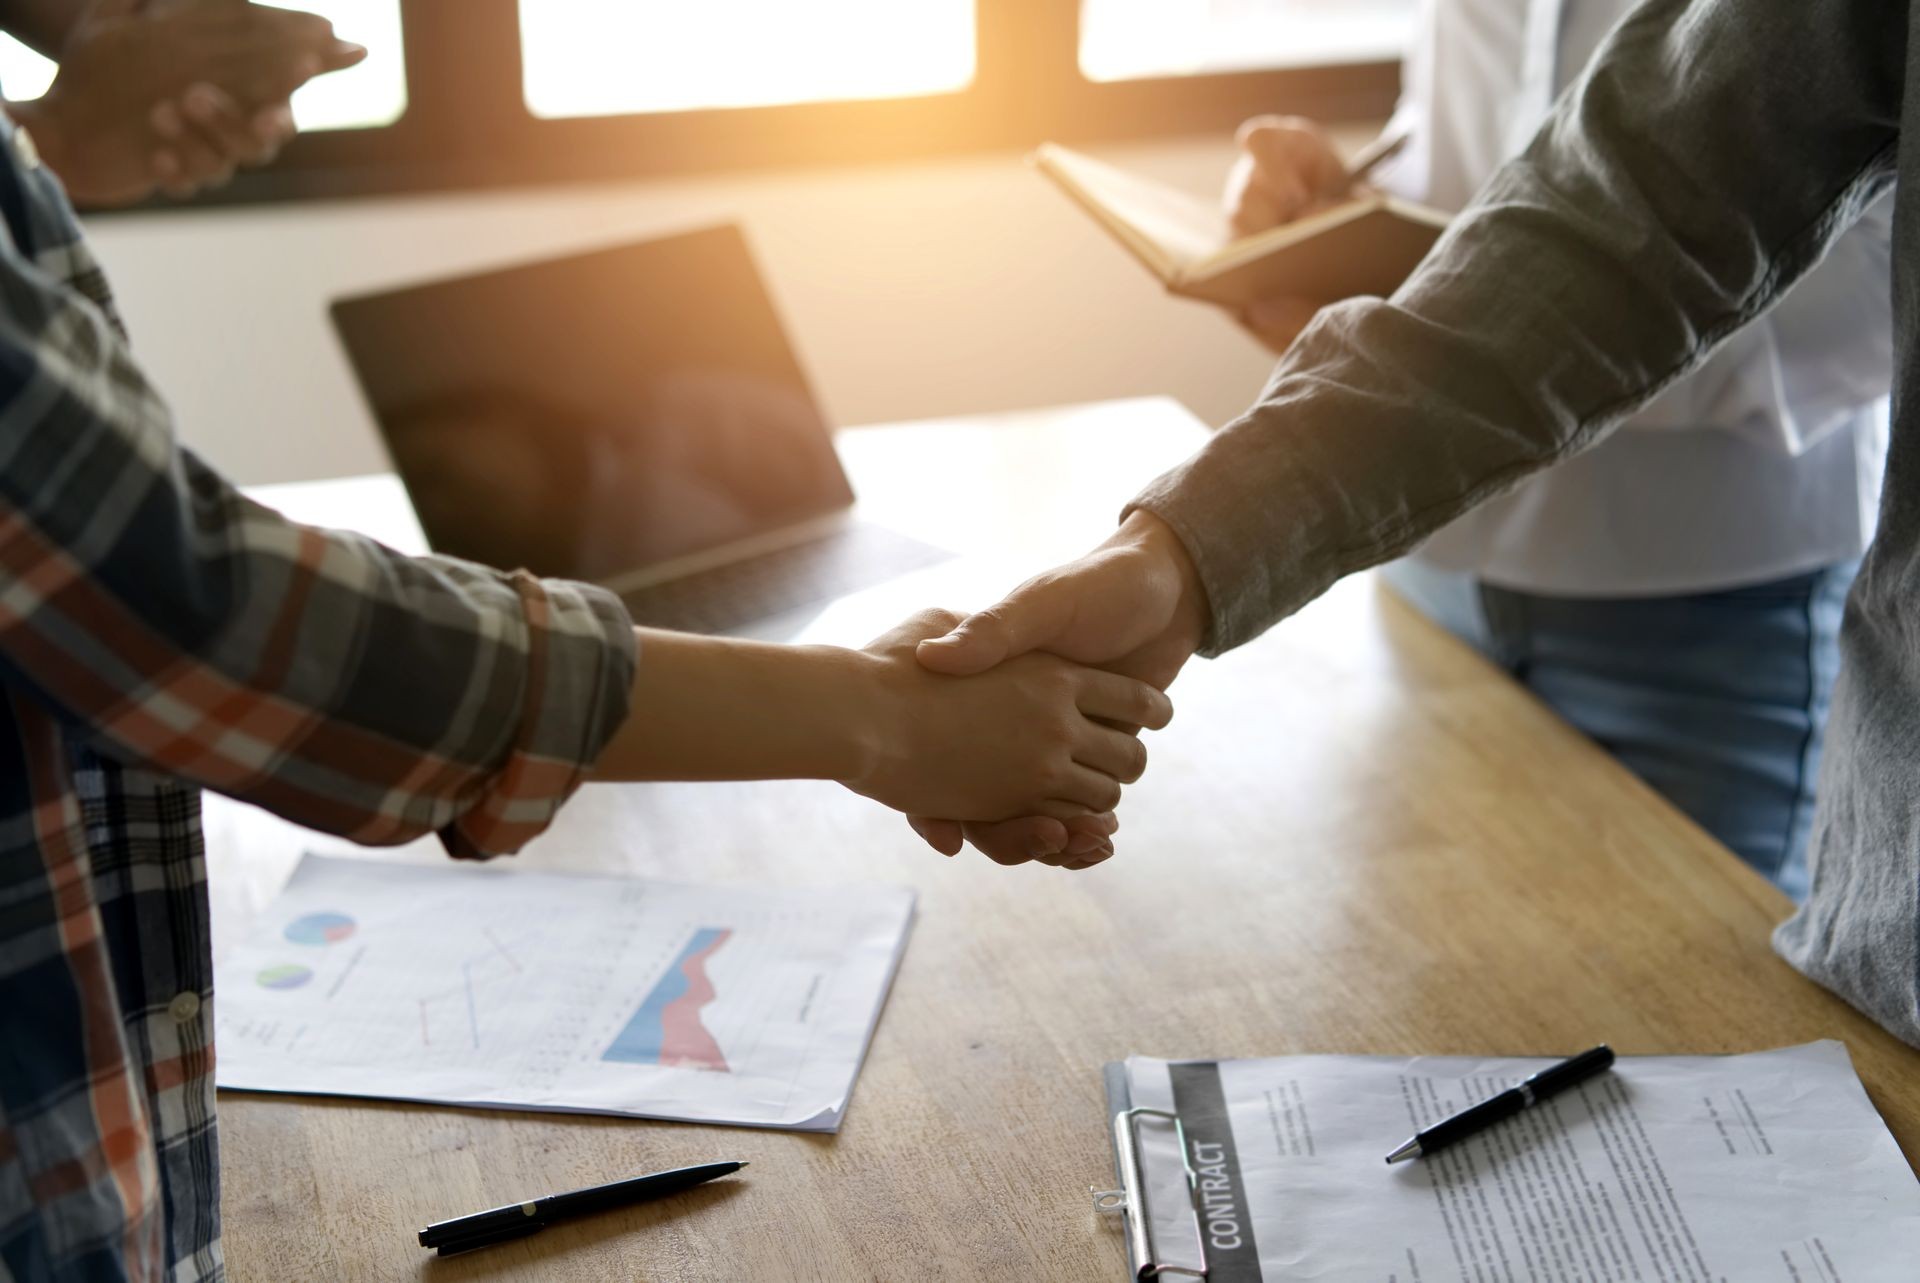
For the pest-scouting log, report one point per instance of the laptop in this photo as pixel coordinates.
(633, 417)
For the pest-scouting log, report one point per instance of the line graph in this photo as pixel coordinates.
(666, 1028)
(479, 982)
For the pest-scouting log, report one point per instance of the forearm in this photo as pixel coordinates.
(1655, 215)
(193, 632)
(706, 708)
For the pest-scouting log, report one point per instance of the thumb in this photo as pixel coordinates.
(341, 54)
(1024, 621)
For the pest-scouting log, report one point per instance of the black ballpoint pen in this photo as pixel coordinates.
(517, 1220)
(1549, 1082)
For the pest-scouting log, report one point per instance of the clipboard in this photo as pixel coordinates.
(1299, 1189)
(1146, 1258)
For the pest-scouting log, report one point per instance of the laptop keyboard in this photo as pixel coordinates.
(772, 583)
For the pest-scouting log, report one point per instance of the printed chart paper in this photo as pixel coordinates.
(1670, 1169)
(467, 985)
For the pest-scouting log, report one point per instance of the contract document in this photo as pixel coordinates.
(472, 985)
(1676, 1169)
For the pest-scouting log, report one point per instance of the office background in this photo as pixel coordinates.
(924, 270)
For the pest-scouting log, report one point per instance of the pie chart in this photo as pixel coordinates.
(285, 975)
(320, 928)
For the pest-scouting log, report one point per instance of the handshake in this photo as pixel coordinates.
(1013, 729)
(1093, 643)
(1090, 647)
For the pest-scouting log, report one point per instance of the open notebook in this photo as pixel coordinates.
(1368, 245)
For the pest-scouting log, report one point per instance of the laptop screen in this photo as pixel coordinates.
(591, 416)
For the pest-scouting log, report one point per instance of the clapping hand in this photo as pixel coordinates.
(174, 96)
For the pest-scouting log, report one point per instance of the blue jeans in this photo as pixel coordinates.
(1718, 700)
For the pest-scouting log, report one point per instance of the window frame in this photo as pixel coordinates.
(467, 125)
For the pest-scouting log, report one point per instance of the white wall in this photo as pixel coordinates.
(912, 291)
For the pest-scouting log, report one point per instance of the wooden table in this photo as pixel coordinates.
(1355, 837)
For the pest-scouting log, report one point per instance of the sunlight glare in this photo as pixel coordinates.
(611, 57)
(1137, 39)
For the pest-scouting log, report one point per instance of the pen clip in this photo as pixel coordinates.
(490, 1237)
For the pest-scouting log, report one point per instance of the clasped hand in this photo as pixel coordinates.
(1033, 736)
(175, 94)
(1133, 606)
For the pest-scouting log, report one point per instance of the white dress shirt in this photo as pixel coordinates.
(1765, 463)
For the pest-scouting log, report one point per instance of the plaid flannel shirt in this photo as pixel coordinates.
(160, 634)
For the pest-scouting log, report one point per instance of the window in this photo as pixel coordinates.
(369, 95)
(1135, 39)
(24, 74)
(613, 57)
(465, 93)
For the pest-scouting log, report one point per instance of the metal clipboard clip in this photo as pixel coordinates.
(1130, 1200)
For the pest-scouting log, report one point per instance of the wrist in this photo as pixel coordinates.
(1150, 537)
(847, 706)
(711, 708)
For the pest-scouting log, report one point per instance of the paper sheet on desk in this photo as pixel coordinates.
(464, 985)
(1743, 1169)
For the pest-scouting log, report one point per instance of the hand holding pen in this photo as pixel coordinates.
(1288, 167)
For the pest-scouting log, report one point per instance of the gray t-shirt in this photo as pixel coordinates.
(1701, 166)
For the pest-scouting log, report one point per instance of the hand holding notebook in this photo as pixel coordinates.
(1360, 243)
(1288, 167)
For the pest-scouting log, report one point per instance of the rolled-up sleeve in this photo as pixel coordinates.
(314, 672)
(580, 665)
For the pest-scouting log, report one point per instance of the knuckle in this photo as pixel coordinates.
(1054, 735)
(1256, 126)
(989, 622)
(933, 620)
(1297, 128)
